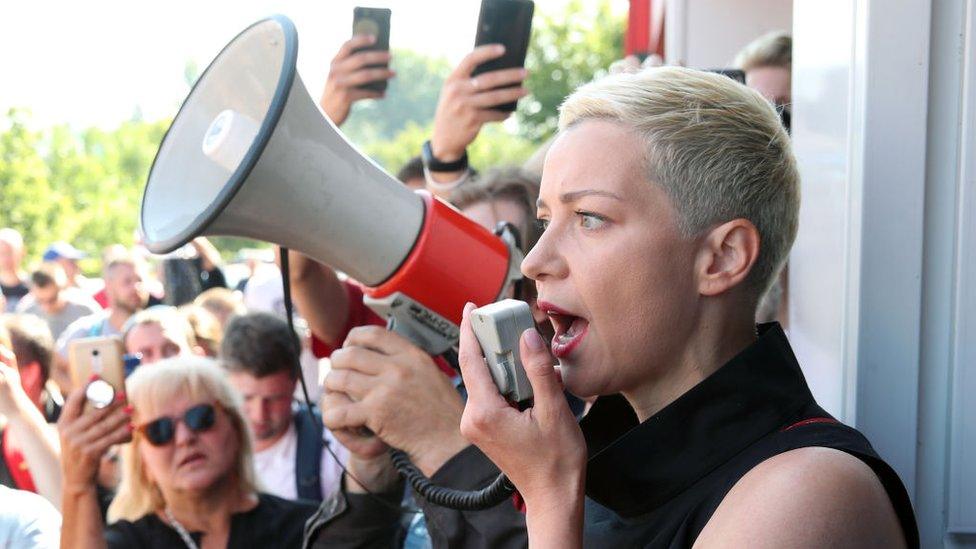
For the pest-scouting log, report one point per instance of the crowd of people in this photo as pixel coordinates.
(655, 227)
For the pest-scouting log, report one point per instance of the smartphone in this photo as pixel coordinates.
(374, 21)
(506, 22)
(98, 355)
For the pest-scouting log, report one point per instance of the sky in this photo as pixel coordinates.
(94, 63)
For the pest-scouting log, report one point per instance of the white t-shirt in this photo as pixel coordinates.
(27, 520)
(275, 466)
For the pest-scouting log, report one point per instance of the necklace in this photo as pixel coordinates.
(180, 529)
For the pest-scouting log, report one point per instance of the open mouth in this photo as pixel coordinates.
(569, 330)
(192, 459)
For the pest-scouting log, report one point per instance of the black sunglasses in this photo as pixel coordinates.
(162, 430)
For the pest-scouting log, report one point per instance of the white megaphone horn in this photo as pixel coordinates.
(250, 154)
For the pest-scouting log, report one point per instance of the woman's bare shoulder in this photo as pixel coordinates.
(808, 497)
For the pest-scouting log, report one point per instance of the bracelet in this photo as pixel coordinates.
(437, 186)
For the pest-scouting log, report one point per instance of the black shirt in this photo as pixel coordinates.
(14, 294)
(656, 484)
(274, 522)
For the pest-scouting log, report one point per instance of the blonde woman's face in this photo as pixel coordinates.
(191, 461)
(612, 268)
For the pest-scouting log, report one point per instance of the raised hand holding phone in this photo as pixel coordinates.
(360, 69)
(509, 23)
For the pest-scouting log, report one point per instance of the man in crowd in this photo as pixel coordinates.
(261, 353)
(126, 296)
(67, 256)
(13, 280)
(51, 299)
(29, 449)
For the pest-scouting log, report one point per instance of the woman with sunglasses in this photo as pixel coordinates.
(187, 476)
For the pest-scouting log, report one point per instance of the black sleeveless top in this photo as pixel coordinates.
(657, 483)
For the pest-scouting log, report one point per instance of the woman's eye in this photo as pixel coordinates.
(590, 220)
(543, 224)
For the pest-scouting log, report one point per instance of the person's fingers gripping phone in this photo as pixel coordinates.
(509, 23)
(98, 364)
(376, 23)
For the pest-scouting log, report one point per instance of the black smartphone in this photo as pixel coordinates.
(506, 22)
(374, 21)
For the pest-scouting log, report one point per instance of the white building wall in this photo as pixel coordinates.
(706, 34)
(883, 274)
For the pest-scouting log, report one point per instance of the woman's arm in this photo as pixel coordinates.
(85, 437)
(34, 437)
(541, 449)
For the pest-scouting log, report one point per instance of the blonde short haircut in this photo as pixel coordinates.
(716, 147)
(773, 49)
(198, 379)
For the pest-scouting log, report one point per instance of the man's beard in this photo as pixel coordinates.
(128, 307)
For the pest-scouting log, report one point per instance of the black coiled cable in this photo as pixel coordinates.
(463, 500)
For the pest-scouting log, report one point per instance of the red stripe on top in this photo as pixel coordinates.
(810, 422)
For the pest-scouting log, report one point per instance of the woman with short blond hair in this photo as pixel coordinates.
(670, 201)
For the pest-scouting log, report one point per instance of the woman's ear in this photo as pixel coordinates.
(726, 257)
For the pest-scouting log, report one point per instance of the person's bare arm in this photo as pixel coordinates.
(320, 297)
(810, 497)
(37, 440)
(348, 71)
(209, 256)
(552, 476)
(465, 105)
(85, 437)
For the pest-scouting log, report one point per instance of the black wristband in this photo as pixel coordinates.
(433, 164)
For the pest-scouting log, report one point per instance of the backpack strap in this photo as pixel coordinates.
(308, 457)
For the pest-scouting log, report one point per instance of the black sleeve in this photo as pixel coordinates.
(359, 521)
(123, 534)
(502, 526)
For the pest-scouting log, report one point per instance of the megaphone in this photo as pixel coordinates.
(250, 154)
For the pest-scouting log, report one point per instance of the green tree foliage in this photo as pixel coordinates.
(28, 202)
(494, 146)
(568, 49)
(411, 98)
(85, 186)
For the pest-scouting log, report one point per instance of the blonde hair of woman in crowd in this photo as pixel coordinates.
(773, 49)
(198, 380)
